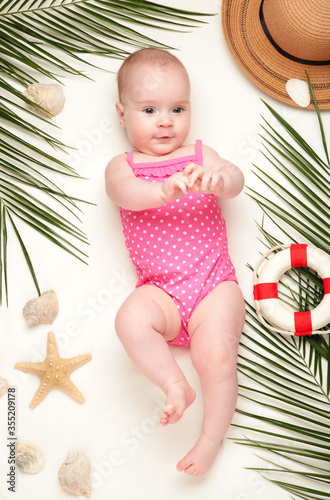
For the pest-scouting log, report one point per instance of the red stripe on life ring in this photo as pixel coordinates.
(265, 291)
(303, 323)
(298, 255)
(326, 285)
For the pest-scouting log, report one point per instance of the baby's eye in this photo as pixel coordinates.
(149, 111)
(178, 109)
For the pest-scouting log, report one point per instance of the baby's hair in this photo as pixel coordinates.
(154, 57)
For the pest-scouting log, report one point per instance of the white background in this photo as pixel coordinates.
(132, 456)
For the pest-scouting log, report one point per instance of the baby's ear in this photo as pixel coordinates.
(120, 112)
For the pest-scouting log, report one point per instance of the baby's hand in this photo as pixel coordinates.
(175, 187)
(204, 180)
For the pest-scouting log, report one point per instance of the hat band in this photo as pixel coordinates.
(281, 51)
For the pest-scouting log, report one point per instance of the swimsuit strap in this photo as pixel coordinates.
(199, 152)
(130, 158)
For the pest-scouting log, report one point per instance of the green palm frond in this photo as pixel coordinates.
(48, 38)
(287, 395)
(303, 204)
(289, 378)
(101, 27)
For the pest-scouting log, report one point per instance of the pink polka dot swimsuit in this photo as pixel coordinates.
(181, 247)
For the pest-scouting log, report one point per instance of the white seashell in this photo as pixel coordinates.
(3, 386)
(29, 458)
(49, 96)
(43, 309)
(74, 474)
(298, 90)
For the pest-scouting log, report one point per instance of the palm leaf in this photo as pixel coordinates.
(288, 377)
(30, 33)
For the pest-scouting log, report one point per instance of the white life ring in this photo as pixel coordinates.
(265, 290)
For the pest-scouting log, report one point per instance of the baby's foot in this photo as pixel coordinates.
(201, 457)
(178, 397)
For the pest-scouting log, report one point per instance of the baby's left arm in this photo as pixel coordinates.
(217, 176)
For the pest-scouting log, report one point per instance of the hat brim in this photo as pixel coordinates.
(260, 60)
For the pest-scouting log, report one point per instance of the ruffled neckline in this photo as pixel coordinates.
(162, 168)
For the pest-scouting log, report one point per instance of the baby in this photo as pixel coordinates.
(187, 291)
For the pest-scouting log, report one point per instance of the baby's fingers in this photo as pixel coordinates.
(183, 185)
(217, 183)
(181, 182)
(197, 173)
(196, 187)
(190, 168)
(207, 177)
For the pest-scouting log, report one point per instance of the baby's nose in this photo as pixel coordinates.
(165, 120)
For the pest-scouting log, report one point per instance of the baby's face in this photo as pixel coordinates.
(155, 109)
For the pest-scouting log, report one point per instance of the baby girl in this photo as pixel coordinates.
(187, 291)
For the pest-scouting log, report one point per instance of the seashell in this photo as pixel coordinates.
(49, 96)
(298, 90)
(29, 458)
(43, 309)
(3, 386)
(74, 474)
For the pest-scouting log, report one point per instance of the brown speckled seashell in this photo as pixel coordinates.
(41, 310)
(49, 96)
(74, 474)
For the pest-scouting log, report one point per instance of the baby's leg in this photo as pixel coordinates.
(144, 323)
(215, 328)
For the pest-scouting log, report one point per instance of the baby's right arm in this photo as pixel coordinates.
(131, 193)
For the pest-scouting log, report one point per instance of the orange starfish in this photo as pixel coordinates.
(54, 371)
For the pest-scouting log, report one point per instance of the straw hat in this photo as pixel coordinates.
(274, 41)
